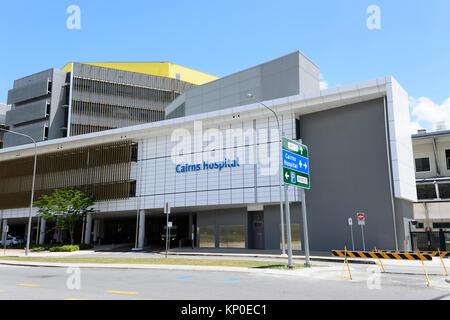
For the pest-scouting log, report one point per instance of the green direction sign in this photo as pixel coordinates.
(295, 163)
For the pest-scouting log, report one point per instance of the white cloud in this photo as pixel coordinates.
(323, 83)
(4, 108)
(429, 115)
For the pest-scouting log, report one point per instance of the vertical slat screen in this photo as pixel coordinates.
(106, 99)
(102, 170)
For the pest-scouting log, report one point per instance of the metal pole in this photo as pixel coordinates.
(167, 232)
(32, 186)
(353, 242)
(283, 246)
(364, 243)
(32, 197)
(288, 227)
(37, 230)
(283, 241)
(83, 227)
(305, 230)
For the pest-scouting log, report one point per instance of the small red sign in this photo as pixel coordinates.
(360, 216)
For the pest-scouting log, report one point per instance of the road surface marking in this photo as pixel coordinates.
(184, 278)
(232, 280)
(121, 292)
(28, 285)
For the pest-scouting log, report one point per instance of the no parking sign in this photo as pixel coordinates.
(361, 218)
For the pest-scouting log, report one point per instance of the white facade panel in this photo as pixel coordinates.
(400, 141)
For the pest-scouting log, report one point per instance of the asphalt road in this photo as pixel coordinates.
(42, 283)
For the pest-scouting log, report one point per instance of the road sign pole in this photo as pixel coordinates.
(305, 230)
(167, 212)
(288, 226)
(295, 161)
(364, 243)
(353, 242)
(167, 233)
(283, 240)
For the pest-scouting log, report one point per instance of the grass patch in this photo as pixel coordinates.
(169, 261)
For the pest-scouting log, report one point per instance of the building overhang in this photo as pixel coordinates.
(299, 104)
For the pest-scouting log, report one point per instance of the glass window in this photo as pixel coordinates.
(422, 164)
(207, 236)
(134, 152)
(444, 190)
(132, 189)
(232, 236)
(426, 191)
(441, 225)
(447, 157)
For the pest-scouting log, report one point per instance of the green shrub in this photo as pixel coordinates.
(67, 248)
(39, 248)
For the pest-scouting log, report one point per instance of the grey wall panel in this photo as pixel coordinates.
(274, 79)
(403, 209)
(349, 173)
(58, 99)
(28, 112)
(36, 131)
(36, 77)
(272, 222)
(31, 91)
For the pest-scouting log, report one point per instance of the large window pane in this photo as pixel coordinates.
(207, 236)
(232, 236)
(426, 191)
(444, 191)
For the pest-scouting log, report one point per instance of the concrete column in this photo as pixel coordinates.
(4, 234)
(96, 227)
(87, 232)
(141, 235)
(42, 232)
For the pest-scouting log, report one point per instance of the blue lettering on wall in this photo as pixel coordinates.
(227, 163)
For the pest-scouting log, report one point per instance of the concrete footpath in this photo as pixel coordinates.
(149, 266)
(187, 253)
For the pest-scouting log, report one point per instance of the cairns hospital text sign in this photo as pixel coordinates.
(227, 163)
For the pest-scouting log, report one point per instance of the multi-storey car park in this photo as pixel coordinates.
(360, 150)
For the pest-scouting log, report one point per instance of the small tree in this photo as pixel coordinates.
(65, 207)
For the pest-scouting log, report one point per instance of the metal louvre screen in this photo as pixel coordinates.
(102, 170)
(105, 99)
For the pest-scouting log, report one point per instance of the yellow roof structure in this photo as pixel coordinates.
(160, 69)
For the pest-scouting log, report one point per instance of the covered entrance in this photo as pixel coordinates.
(183, 226)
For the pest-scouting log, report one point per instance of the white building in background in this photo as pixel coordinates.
(432, 164)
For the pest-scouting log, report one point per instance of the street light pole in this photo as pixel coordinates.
(250, 96)
(32, 186)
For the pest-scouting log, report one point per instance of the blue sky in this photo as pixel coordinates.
(223, 37)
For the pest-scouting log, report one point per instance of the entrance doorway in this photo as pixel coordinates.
(256, 229)
(181, 230)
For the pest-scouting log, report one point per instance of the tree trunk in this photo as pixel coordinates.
(71, 231)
